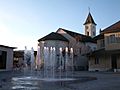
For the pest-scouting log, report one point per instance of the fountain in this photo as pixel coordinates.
(29, 62)
(56, 70)
(50, 66)
(51, 71)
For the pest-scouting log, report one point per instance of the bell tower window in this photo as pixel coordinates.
(86, 27)
(90, 26)
(93, 33)
(87, 33)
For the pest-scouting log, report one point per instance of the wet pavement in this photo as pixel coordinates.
(85, 81)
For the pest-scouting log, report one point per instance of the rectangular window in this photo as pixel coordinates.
(80, 50)
(102, 44)
(107, 39)
(118, 38)
(112, 38)
(96, 60)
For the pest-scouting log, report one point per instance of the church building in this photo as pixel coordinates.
(81, 44)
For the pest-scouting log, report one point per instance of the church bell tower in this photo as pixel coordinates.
(90, 26)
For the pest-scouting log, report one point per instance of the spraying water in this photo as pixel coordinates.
(38, 60)
(32, 61)
(50, 66)
(29, 62)
(66, 61)
(72, 63)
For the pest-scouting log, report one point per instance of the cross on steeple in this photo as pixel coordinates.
(90, 25)
(89, 9)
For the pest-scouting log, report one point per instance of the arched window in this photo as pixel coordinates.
(87, 33)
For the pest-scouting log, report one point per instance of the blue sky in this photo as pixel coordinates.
(23, 22)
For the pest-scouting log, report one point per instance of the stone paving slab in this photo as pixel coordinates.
(105, 81)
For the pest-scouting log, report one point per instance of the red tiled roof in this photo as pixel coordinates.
(113, 28)
(100, 36)
(82, 38)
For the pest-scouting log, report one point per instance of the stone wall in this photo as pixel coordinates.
(103, 65)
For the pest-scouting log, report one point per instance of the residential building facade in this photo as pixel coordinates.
(107, 55)
(6, 58)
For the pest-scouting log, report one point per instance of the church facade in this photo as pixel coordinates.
(81, 44)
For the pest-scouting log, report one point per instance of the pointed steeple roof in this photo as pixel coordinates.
(89, 19)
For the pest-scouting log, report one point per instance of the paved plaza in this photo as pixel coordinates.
(103, 81)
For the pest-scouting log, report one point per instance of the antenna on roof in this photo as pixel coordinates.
(100, 30)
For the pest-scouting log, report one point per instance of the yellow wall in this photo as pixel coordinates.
(112, 46)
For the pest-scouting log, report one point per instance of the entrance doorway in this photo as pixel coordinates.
(114, 62)
(3, 57)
